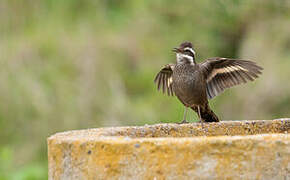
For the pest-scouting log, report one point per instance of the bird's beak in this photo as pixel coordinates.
(176, 50)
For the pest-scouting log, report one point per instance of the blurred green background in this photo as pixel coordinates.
(73, 64)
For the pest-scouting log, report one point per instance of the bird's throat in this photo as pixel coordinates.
(185, 59)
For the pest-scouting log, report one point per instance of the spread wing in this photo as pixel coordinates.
(222, 73)
(164, 79)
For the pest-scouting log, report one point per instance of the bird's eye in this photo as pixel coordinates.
(187, 51)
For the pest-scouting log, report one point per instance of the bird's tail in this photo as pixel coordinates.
(207, 115)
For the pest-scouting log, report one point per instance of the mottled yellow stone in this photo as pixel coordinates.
(224, 150)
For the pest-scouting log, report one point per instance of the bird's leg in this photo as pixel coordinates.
(198, 111)
(184, 116)
(200, 120)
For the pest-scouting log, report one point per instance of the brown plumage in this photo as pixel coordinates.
(194, 84)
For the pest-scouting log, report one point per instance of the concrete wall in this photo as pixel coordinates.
(225, 150)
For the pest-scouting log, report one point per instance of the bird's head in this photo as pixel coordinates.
(185, 53)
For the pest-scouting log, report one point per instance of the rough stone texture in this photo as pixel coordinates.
(225, 150)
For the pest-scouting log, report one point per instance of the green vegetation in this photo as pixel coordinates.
(83, 64)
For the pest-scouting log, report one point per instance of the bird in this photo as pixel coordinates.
(194, 84)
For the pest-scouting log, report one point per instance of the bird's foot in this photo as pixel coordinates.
(183, 122)
(202, 123)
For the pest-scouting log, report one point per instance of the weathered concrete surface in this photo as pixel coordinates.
(225, 150)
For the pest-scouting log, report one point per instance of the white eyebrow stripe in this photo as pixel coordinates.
(190, 49)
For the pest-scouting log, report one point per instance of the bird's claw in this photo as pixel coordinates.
(202, 123)
(183, 122)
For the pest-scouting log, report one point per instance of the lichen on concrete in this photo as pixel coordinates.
(225, 150)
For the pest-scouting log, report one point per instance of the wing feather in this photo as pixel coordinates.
(164, 79)
(223, 73)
